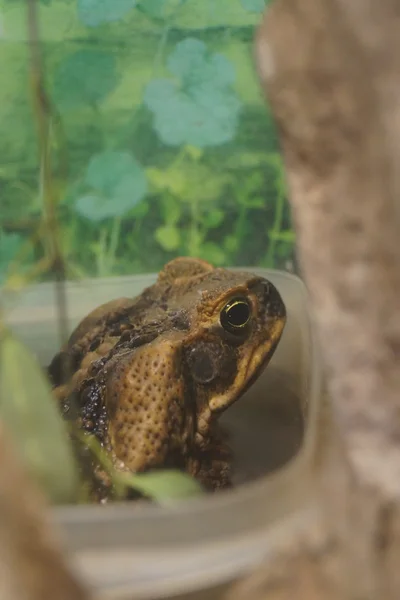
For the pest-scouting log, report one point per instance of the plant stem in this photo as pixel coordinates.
(114, 239)
(160, 48)
(194, 231)
(240, 222)
(101, 256)
(45, 121)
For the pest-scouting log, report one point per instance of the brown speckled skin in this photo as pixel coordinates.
(150, 375)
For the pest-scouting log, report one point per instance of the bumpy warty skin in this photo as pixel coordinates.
(149, 376)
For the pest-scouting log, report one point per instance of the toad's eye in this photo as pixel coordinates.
(235, 315)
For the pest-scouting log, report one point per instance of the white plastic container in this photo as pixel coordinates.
(197, 547)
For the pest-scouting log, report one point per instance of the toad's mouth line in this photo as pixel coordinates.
(258, 369)
(257, 362)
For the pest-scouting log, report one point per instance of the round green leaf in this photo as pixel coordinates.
(171, 209)
(30, 413)
(187, 54)
(94, 208)
(213, 253)
(85, 77)
(158, 93)
(195, 65)
(118, 182)
(168, 237)
(201, 109)
(231, 243)
(95, 12)
(256, 6)
(208, 117)
(213, 218)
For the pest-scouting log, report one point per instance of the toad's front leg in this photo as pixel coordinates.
(212, 466)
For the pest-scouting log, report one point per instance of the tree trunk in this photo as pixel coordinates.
(331, 73)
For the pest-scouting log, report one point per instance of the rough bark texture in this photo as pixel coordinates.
(334, 102)
(297, 571)
(31, 566)
(331, 73)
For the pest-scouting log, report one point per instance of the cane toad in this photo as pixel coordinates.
(149, 376)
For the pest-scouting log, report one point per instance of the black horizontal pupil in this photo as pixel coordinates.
(238, 314)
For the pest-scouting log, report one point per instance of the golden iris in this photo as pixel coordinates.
(235, 315)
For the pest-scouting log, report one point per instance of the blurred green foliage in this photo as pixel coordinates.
(171, 150)
(28, 410)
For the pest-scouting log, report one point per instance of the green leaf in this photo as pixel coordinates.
(30, 412)
(140, 210)
(193, 63)
(207, 118)
(213, 218)
(256, 6)
(165, 485)
(118, 183)
(171, 209)
(201, 109)
(84, 78)
(213, 253)
(171, 179)
(95, 208)
(288, 236)
(231, 243)
(245, 159)
(190, 182)
(168, 237)
(95, 12)
(194, 153)
(255, 202)
(160, 485)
